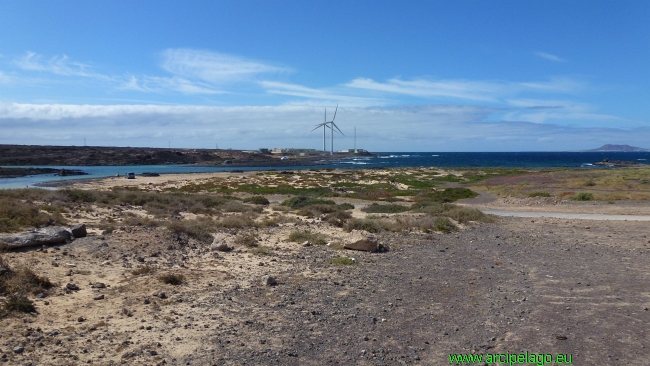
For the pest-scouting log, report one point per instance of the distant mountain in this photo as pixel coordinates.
(610, 147)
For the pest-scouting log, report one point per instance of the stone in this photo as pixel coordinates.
(3, 271)
(98, 297)
(18, 349)
(81, 319)
(78, 231)
(269, 281)
(98, 285)
(220, 243)
(365, 245)
(306, 244)
(38, 237)
(72, 287)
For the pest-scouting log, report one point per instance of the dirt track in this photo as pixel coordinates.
(515, 286)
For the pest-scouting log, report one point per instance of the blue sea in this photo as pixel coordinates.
(386, 159)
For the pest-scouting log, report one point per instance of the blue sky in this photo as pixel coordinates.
(411, 76)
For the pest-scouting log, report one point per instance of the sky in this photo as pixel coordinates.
(503, 75)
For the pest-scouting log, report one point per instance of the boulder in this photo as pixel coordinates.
(367, 244)
(269, 281)
(220, 243)
(79, 231)
(38, 237)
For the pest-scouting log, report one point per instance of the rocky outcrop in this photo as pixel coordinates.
(42, 236)
(78, 231)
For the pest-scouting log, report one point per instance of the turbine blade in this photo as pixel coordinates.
(337, 108)
(337, 127)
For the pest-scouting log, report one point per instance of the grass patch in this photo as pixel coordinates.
(172, 279)
(341, 261)
(18, 302)
(302, 236)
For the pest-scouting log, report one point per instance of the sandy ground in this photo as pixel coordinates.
(538, 285)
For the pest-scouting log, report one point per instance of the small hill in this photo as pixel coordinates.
(625, 148)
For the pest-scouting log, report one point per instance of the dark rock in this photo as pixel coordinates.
(98, 285)
(79, 231)
(18, 349)
(72, 287)
(269, 281)
(38, 237)
(98, 297)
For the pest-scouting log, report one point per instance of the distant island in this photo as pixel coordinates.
(617, 148)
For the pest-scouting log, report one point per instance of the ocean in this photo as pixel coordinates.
(386, 160)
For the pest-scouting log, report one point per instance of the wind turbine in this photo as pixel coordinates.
(332, 126)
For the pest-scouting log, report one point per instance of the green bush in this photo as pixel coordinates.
(377, 208)
(345, 206)
(443, 224)
(303, 201)
(583, 196)
(257, 200)
(466, 214)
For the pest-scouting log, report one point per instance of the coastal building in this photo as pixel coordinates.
(294, 151)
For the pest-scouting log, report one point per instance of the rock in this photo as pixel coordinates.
(38, 237)
(98, 297)
(368, 244)
(269, 281)
(306, 244)
(72, 287)
(18, 349)
(78, 231)
(3, 271)
(98, 285)
(81, 319)
(220, 243)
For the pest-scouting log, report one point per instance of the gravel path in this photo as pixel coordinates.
(565, 215)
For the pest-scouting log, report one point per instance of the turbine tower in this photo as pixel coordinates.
(332, 126)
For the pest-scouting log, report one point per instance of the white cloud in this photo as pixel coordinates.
(480, 91)
(548, 56)
(163, 84)
(59, 65)
(319, 96)
(214, 67)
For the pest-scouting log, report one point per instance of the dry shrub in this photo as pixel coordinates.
(257, 200)
(15, 215)
(302, 236)
(172, 279)
(200, 229)
(466, 214)
(370, 225)
(142, 270)
(234, 206)
(341, 261)
(261, 250)
(237, 222)
(247, 239)
(338, 218)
